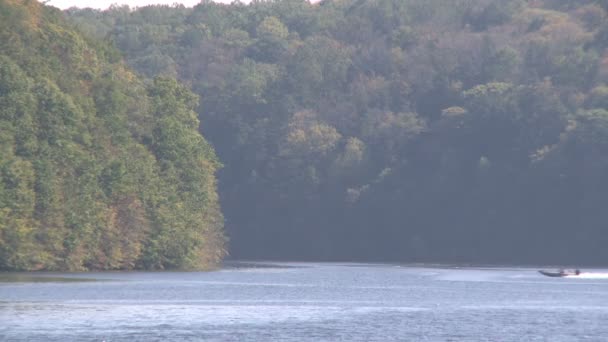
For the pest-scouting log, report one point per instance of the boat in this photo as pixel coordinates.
(560, 273)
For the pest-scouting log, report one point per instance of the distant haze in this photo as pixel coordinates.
(103, 4)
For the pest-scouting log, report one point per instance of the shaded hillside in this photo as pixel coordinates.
(465, 130)
(98, 170)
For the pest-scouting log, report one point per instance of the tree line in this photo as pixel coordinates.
(405, 130)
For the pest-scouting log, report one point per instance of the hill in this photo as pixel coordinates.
(98, 169)
(465, 130)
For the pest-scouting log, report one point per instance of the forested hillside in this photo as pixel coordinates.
(98, 169)
(461, 130)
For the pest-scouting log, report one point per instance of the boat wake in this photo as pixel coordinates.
(584, 275)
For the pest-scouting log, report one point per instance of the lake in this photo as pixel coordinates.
(305, 302)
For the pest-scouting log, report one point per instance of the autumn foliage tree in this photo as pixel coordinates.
(98, 169)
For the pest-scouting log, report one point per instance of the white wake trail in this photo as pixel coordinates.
(586, 275)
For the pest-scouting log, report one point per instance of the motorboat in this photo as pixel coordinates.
(560, 273)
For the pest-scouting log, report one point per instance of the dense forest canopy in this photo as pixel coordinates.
(98, 169)
(402, 130)
(464, 130)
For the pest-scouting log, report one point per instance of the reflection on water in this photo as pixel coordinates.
(38, 278)
(306, 302)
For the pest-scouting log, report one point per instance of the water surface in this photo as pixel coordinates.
(306, 302)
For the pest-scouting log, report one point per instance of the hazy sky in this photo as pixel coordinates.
(103, 4)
